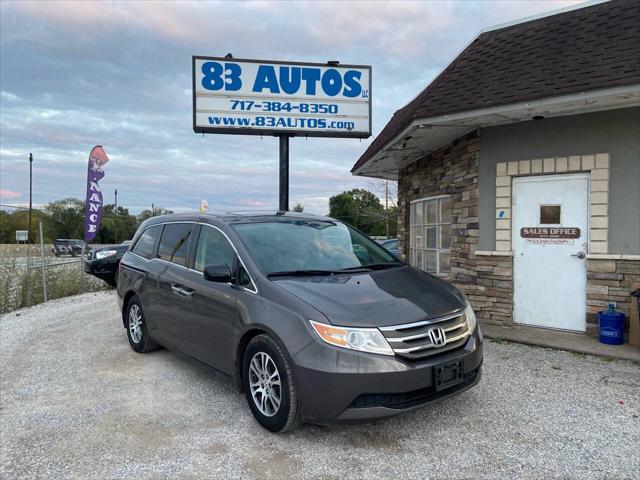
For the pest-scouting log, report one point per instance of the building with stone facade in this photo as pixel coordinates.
(518, 168)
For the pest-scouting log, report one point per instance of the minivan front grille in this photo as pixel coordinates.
(429, 337)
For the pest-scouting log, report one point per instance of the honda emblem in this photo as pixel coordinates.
(438, 337)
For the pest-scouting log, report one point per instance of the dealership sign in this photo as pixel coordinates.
(255, 97)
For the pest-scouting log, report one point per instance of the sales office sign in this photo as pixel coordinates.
(255, 97)
(550, 235)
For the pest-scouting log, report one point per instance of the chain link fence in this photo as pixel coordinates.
(31, 274)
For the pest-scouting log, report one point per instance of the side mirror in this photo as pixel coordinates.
(217, 273)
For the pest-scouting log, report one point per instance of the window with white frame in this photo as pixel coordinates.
(430, 234)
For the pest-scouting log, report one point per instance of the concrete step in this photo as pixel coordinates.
(573, 342)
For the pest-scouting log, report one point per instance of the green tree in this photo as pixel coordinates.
(65, 218)
(343, 207)
(298, 207)
(360, 208)
(117, 225)
(18, 219)
(148, 213)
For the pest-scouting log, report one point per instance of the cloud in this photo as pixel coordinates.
(77, 74)
(9, 97)
(8, 194)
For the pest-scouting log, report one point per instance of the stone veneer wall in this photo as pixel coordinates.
(610, 280)
(486, 279)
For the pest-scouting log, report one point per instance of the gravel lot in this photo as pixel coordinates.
(78, 403)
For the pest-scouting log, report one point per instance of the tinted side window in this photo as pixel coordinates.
(174, 243)
(146, 242)
(213, 249)
(243, 277)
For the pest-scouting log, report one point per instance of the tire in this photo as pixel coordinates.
(285, 416)
(137, 328)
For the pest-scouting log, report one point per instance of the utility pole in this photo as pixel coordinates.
(30, 194)
(29, 230)
(115, 214)
(386, 207)
(153, 210)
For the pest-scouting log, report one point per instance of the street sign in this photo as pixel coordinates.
(256, 97)
(22, 236)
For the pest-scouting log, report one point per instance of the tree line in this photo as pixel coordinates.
(363, 210)
(65, 219)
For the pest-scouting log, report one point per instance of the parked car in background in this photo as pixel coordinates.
(314, 320)
(104, 262)
(66, 246)
(391, 245)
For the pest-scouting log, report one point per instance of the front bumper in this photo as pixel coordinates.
(104, 269)
(337, 385)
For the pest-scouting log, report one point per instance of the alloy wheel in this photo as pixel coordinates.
(135, 323)
(264, 383)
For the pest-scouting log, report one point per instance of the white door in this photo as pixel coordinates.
(550, 237)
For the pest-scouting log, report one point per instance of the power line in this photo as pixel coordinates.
(13, 206)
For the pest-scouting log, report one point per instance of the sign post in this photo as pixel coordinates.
(284, 99)
(284, 173)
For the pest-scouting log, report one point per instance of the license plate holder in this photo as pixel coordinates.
(447, 375)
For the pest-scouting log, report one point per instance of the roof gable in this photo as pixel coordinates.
(575, 51)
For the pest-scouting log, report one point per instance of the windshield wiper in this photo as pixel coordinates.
(303, 273)
(374, 266)
(312, 273)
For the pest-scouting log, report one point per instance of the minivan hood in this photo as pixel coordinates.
(376, 299)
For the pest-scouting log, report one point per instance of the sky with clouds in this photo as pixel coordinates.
(76, 74)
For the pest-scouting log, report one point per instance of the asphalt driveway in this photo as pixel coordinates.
(76, 402)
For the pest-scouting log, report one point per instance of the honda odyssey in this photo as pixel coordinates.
(314, 320)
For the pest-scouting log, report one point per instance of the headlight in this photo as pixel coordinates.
(471, 317)
(361, 339)
(105, 254)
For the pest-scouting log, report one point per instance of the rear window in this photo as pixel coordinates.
(392, 245)
(174, 242)
(147, 241)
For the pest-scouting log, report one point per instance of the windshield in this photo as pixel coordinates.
(299, 245)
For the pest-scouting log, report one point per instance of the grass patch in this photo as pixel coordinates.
(497, 340)
(62, 280)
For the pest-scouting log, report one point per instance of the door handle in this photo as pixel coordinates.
(178, 290)
(580, 255)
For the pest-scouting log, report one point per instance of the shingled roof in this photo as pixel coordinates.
(588, 48)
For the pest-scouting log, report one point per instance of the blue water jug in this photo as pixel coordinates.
(611, 326)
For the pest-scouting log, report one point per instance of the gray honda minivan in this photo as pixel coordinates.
(314, 320)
